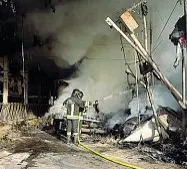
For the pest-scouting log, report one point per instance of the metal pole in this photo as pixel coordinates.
(146, 57)
(149, 77)
(183, 95)
(150, 34)
(183, 59)
(184, 77)
(149, 92)
(145, 33)
(150, 47)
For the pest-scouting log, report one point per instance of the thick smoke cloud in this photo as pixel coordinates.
(78, 30)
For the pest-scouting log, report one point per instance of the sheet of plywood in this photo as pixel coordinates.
(129, 21)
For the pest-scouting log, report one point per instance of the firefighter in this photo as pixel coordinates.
(73, 105)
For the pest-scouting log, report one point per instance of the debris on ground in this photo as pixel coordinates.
(36, 149)
(25, 145)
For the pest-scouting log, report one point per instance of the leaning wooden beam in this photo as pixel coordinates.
(147, 58)
(145, 33)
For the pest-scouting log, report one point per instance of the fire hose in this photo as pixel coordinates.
(103, 156)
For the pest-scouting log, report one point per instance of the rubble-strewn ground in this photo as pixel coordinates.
(35, 149)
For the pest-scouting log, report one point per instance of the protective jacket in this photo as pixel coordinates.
(73, 104)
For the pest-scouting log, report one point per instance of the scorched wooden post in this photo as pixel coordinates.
(5, 79)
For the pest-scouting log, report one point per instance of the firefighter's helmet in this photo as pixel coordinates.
(75, 93)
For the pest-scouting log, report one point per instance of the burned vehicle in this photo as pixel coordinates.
(143, 127)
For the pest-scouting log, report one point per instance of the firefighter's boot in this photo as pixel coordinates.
(68, 139)
(76, 139)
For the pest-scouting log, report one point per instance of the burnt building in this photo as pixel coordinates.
(22, 77)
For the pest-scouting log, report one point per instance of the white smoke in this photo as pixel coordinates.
(161, 97)
(111, 122)
(108, 104)
(79, 30)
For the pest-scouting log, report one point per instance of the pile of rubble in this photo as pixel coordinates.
(144, 128)
(141, 134)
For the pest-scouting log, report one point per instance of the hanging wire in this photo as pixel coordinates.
(157, 11)
(165, 25)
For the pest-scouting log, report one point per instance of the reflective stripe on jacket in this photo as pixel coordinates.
(73, 105)
(74, 117)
